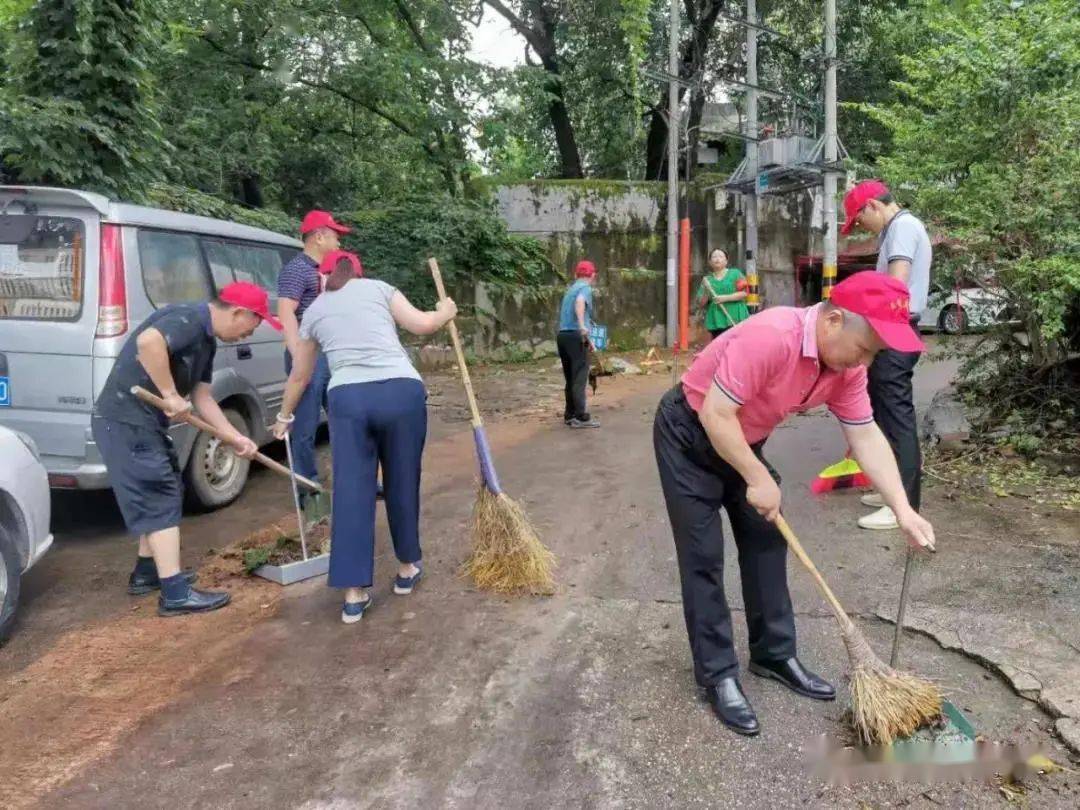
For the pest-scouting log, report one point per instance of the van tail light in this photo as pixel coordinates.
(112, 289)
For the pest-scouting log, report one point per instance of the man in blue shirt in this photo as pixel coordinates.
(299, 284)
(575, 325)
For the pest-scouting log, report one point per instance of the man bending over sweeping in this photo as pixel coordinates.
(172, 355)
(708, 436)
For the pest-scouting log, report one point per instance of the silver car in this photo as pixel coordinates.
(24, 518)
(967, 309)
(78, 272)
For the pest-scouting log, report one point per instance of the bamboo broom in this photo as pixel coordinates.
(885, 703)
(507, 555)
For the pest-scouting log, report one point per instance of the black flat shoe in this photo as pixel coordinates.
(795, 677)
(197, 602)
(142, 584)
(731, 706)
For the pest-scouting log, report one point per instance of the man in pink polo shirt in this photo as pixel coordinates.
(708, 436)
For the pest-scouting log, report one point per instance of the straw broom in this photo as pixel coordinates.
(885, 703)
(507, 555)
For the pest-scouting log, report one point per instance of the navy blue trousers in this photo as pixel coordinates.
(308, 411)
(372, 425)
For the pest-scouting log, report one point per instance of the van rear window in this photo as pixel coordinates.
(42, 267)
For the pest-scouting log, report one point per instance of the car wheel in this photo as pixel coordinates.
(953, 320)
(215, 475)
(10, 579)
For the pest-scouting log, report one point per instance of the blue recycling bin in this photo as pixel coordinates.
(598, 334)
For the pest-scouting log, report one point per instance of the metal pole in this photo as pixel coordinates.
(673, 176)
(828, 268)
(752, 299)
(296, 496)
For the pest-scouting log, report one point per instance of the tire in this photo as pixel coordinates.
(953, 320)
(10, 580)
(215, 476)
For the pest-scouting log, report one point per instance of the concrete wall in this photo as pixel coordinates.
(621, 227)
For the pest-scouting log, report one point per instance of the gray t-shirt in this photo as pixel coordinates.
(356, 330)
(905, 237)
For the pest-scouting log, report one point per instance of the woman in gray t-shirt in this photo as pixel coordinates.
(378, 417)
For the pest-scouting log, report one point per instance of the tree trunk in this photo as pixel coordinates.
(692, 55)
(564, 133)
(539, 32)
(251, 193)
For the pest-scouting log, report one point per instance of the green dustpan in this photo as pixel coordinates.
(956, 736)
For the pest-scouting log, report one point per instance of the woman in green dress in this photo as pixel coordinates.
(722, 295)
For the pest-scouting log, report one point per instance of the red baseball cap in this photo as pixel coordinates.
(251, 297)
(884, 302)
(585, 269)
(856, 199)
(320, 219)
(331, 259)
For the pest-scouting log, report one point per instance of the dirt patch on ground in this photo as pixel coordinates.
(77, 701)
(96, 684)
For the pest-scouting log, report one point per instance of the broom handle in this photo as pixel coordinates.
(455, 338)
(800, 552)
(201, 424)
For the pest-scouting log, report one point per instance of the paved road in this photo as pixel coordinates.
(451, 698)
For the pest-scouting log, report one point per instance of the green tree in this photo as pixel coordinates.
(79, 103)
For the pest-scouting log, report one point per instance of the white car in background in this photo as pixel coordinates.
(968, 309)
(25, 511)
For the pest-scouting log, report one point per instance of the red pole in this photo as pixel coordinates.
(684, 284)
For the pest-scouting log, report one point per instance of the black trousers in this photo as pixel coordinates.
(574, 353)
(893, 402)
(696, 484)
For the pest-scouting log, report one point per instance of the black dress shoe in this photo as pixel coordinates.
(795, 677)
(142, 584)
(196, 602)
(731, 706)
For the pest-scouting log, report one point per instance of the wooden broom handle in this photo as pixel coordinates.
(199, 423)
(800, 552)
(456, 340)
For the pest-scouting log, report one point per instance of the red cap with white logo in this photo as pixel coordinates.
(314, 220)
(884, 301)
(252, 297)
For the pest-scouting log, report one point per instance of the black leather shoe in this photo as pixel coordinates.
(142, 584)
(795, 677)
(731, 706)
(197, 602)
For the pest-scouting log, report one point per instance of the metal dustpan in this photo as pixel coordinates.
(312, 565)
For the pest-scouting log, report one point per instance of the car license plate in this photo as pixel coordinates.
(5, 393)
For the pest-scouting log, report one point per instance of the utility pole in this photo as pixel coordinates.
(673, 176)
(753, 300)
(828, 269)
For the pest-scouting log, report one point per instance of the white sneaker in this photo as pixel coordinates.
(883, 518)
(873, 499)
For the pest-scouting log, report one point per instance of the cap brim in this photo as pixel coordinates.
(899, 337)
(274, 322)
(339, 228)
(845, 229)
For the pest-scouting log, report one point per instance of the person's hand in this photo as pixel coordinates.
(243, 446)
(447, 308)
(280, 428)
(917, 530)
(175, 405)
(764, 496)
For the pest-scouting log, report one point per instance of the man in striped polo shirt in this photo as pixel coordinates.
(299, 284)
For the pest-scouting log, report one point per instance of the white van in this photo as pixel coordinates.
(78, 272)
